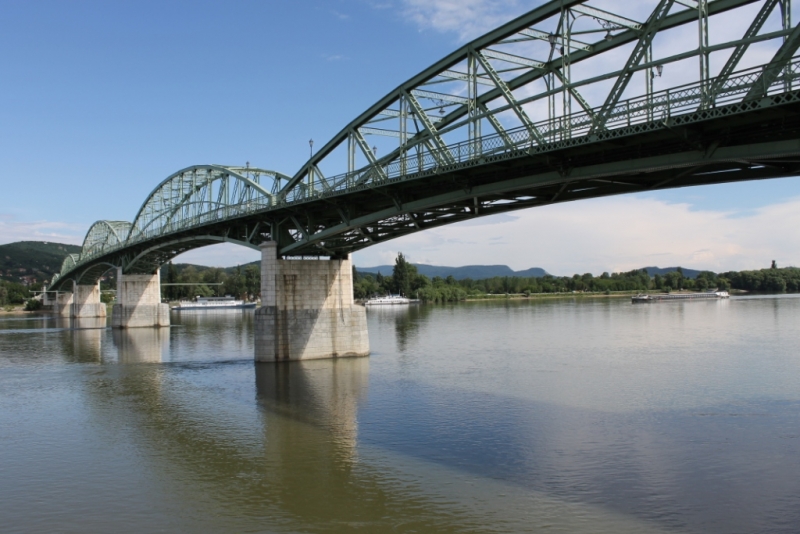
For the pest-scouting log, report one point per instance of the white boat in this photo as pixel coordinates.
(214, 303)
(388, 300)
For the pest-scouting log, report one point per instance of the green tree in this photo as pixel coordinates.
(403, 275)
(658, 281)
(171, 292)
(252, 280)
(235, 284)
(33, 305)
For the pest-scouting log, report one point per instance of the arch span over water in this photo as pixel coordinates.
(569, 101)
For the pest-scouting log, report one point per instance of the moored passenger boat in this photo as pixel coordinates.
(388, 300)
(214, 303)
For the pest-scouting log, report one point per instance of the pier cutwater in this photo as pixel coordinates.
(685, 296)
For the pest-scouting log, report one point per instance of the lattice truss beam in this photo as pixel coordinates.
(202, 195)
(566, 69)
(192, 197)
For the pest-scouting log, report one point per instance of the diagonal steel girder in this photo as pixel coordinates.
(738, 52)
(523, 117)
(651, 28)
(776, 65)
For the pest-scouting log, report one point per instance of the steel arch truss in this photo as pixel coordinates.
(201, 195)
(197, 196)
(565, 70)
(569, 101)
(104, 236)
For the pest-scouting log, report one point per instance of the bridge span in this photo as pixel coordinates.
(567, 102)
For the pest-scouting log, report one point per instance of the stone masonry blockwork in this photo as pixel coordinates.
(307, 310)
(139, 302)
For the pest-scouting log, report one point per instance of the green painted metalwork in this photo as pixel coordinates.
(491, 128)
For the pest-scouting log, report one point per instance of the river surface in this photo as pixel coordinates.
(588, 415)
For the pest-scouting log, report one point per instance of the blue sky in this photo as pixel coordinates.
(103, 100)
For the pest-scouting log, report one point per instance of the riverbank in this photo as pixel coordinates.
(578, 294)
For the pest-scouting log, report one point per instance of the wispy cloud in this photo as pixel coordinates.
(466, 18)
(13, 230)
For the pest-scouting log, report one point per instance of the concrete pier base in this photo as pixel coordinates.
(307, 310)
(139, 302)
(62, 304)
(83, 303)
(86, 302)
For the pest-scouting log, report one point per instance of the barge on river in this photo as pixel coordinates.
(680, 296)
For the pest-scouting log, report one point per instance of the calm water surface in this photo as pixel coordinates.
(561, 416)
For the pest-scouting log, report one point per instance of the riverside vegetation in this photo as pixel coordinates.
(406, 281)
(245, 282)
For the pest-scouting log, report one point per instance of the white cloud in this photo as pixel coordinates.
(611, 234)
(12, 230)
(467, 18)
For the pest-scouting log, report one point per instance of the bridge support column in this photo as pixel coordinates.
(139, 302)
(62, 304)
(86, 301)
(307, 310)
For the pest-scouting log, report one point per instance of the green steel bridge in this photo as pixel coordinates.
(567, 102)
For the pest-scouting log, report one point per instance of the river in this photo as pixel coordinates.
(556, 415)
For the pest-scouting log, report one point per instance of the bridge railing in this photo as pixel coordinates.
(557, 133)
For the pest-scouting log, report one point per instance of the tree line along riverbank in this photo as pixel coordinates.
(405, 280)
(245, 282)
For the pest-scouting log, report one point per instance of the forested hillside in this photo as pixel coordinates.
(31, 262)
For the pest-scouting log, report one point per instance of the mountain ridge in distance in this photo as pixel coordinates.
(475, 272)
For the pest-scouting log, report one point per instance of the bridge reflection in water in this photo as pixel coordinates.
(238, 445)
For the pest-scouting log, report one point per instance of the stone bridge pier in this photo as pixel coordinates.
(139, 301)
(307, 310)
(86, 301)
(83, 302)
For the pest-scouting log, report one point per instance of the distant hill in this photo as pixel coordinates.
(33, 261)
(180, 267)
(688, 273)
(475, 272)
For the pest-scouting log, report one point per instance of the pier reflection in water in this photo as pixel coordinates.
(141, 345)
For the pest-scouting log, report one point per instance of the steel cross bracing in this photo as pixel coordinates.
(568, 101)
